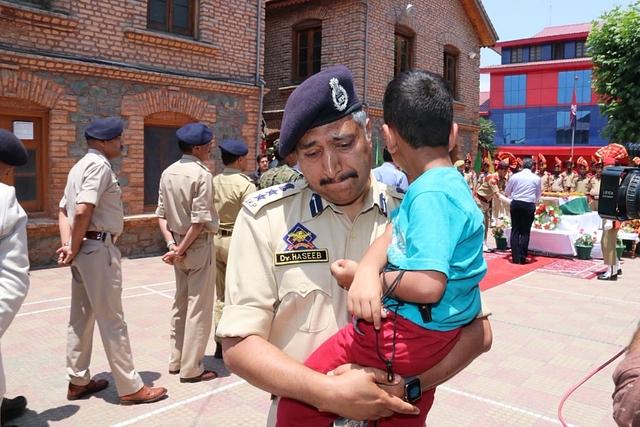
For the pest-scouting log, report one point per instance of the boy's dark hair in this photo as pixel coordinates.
(386, 156)
(418, 105)
(260, 157)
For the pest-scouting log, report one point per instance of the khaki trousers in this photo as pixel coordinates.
(96, 296)
(222, 254)
(485, 208)
(192, 311)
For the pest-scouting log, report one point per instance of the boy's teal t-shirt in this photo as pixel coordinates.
(439, 227)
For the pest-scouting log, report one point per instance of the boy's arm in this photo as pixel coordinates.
(366, 290)
(423, 286)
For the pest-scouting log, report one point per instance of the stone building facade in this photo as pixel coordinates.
(63, 63)
(375, 39)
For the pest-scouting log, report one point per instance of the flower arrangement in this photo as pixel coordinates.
(586, 239)
(547, 216)
(498, 230)
(631, 226)
(562, 194)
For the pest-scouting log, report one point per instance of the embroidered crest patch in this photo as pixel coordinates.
(300, 248)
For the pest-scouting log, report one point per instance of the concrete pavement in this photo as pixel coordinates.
(549, 332)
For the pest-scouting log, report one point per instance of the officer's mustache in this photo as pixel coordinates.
(345, 176)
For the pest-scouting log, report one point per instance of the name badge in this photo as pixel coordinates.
(301, 256)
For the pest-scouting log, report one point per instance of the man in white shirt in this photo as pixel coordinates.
(524, 189)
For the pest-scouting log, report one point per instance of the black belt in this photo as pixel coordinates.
(225, 233)
(97, 235)
(482, 199)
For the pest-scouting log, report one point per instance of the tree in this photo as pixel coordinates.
(613, 47)
(485, 137)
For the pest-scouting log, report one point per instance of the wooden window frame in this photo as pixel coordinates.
(450, 69)
(40, 206)
(309, 28)
(402, 35)
(167, 26)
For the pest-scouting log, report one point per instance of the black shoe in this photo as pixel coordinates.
(218, 353)
(619, 272)
(605, 276)
(12, 408)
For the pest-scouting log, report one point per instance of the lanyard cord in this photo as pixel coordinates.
(389, 293)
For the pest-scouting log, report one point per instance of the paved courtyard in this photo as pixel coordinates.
(549, 332)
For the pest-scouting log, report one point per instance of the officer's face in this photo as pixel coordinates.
(113, 147)
(335, 159)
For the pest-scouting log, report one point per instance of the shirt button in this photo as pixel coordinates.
(303, 289)
(353, 234)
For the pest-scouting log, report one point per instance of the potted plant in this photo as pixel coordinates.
(584, 244)
(620, 247)
(499, 235)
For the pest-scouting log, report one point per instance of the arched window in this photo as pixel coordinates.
(307, 49)
(403, 50)
(450, 69)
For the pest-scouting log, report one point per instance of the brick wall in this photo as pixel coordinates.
(89, 59)
(436, 24)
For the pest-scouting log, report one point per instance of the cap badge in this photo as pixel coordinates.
(338, 95)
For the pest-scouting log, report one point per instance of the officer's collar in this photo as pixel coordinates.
(99, 154)
(375, 197)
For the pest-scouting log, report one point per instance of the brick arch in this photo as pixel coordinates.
(166, 100)
(309, 13)
(29, 87)
(450, 39)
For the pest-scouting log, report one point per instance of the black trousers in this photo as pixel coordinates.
(522, 214)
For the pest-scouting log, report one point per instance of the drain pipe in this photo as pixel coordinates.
(258, 80)
(366, 53)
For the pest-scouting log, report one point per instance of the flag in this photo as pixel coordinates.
(574, 110)
(478, 164)
(491, 168)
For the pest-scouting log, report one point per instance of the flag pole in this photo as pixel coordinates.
(574, 111)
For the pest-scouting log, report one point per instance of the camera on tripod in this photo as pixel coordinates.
(619, 197)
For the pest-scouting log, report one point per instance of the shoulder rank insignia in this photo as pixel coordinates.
(261, 198)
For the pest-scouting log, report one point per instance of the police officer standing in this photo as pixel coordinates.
(14, 256)
(188, 219)
(91, 218)
(232, 188)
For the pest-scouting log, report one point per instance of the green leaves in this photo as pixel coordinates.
(613, 45)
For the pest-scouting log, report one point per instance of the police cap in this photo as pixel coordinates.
(194, 134)
(234, 147)
(104, 129)
(323, 98)
(12, 152)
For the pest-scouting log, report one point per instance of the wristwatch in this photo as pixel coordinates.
(172, 242)
(412, 389)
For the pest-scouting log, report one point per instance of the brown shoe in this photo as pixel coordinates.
(205, 376)
(176, 372)
(75, 392)
(145, 395)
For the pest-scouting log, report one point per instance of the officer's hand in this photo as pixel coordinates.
(65, 255)
(364, 297)
(356, 393)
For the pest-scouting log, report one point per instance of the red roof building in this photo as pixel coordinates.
(533, 90)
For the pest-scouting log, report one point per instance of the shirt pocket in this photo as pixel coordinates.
(305, 298)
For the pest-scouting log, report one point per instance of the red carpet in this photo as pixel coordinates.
(501, 270)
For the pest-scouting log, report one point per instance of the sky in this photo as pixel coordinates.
(519, 19)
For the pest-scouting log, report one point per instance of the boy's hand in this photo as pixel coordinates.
(364, 297)
(344, 270)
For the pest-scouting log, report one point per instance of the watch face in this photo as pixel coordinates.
(412, 390)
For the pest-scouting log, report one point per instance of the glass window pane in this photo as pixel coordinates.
(181, 15)
(157, 10)
(26, 188)
(30, 167)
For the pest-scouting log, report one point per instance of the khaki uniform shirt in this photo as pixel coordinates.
(186, 196)
(570, 181)
(92, 180)
(582, 185)
(594, 189)
(279, 285)
(470, 178)
(489, 187)
(546, 180)
(557, 183)
(232, 188)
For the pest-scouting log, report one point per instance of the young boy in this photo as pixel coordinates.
(431, 253)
